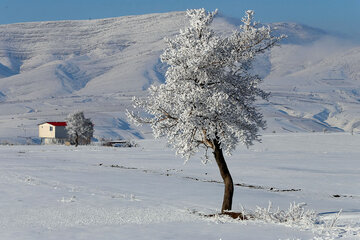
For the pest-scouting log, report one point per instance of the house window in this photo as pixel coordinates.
(51, 128)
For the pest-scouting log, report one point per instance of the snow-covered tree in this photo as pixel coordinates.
(79, 129)
(208, 98)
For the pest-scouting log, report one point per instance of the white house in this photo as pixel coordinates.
(52, 132)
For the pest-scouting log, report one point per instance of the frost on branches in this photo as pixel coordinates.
(209, 94)
(79, 129)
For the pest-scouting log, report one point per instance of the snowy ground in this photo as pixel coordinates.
(58, 192)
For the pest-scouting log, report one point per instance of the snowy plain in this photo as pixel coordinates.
(146, 192)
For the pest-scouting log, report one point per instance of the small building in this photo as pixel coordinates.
(53, 132)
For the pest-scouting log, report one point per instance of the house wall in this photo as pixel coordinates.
(60, 132)
(44, 131)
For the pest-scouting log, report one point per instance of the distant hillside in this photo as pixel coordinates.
(56, 58)
(49, 69)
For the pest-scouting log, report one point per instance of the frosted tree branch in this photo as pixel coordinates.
(210, 91)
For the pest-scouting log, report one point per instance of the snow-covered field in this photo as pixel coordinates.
(146, 192)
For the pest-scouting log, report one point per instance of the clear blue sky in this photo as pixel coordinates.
(342, 16)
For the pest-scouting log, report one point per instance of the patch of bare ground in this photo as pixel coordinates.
(234, 215)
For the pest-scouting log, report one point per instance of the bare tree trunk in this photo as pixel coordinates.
(76, 139)
(226, 176)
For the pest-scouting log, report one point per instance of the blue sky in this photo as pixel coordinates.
(342, 16)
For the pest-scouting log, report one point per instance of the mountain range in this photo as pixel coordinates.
(50, 69)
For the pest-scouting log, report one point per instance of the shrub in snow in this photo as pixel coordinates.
(208, 97)
(295, 215)
(298, 216)
(80, 130)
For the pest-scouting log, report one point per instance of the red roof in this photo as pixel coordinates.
(57, 124)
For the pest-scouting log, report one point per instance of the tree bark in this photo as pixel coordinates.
(76, 139)
(226, 176)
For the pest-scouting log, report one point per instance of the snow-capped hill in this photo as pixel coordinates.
(78, 54)
(297, 33)
(312, 83)
(340, 69)
(50, 69)
(346, 63)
